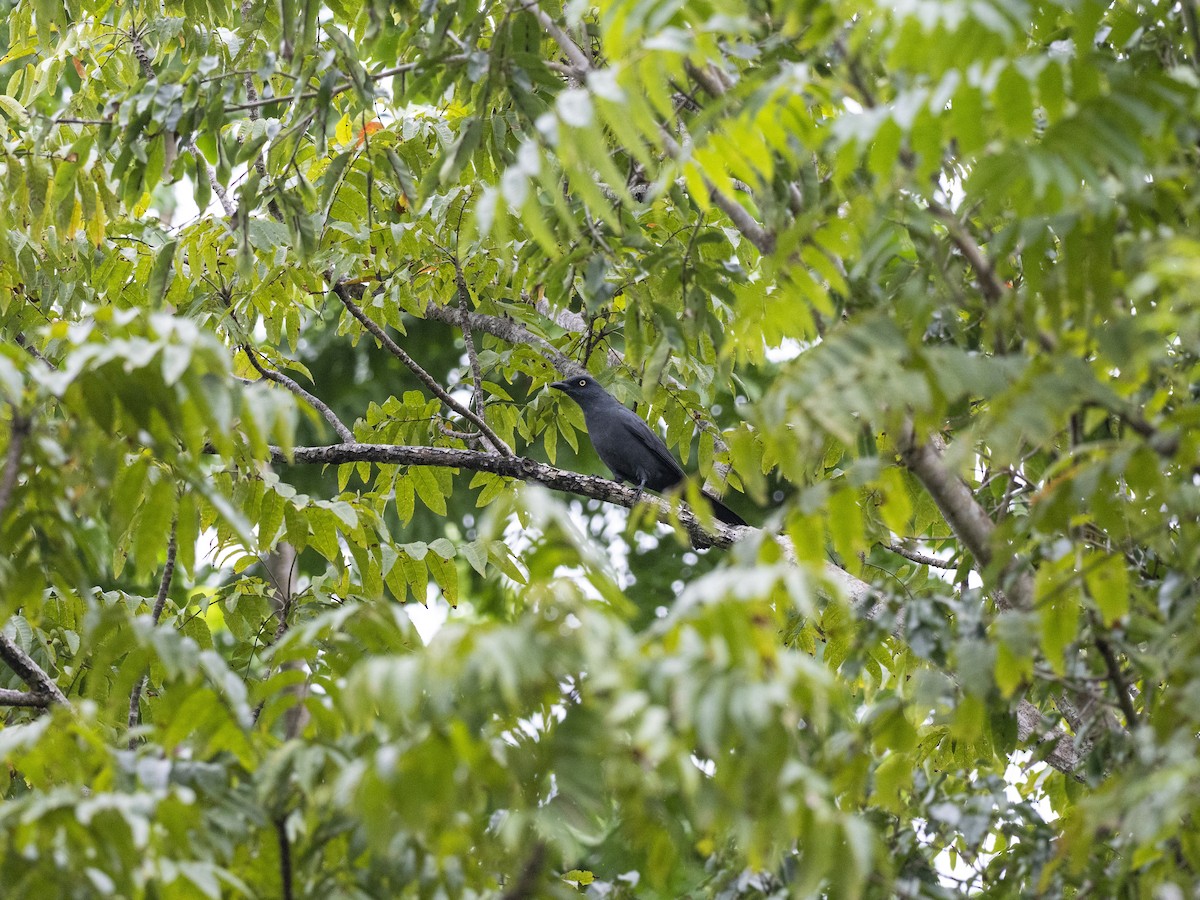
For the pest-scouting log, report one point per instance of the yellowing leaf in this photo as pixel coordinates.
(344, 132)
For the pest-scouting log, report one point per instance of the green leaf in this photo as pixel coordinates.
(428, 489)
(160, 272)
(1108, 583)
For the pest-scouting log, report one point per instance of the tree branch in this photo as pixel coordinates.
(139, 51)
(509, 330)
(923, 559)
(989, 283)
(761, 238)
(285, 858)
(25, 344)
(1113, 666)
(32, 699)
(316, 403)
(464, 306)
(963, 513)
(517, 467)
(970, 522)
(570, 49)
(160, 602)
(1065, 756)
(428, 380)
(29, 671)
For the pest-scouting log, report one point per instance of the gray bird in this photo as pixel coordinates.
(627, 445)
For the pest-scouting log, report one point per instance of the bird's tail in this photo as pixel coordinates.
(723, 512)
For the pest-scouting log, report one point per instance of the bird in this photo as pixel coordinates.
(628, 446)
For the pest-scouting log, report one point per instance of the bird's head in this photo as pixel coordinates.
(580, 388)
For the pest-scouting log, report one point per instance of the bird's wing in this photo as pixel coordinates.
(651, 441)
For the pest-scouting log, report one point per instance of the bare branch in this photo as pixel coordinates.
(346, 435)
(517, 467)
(32, 699)
(923, 559)
(570, 49)
(1115, 676)
(428, 380)
(1065, 756)
(168, 572)
(285, 858)
(218, 188)
(160, 602)
(965, 516)
(989, 283)
(139, 51)
(29, 671)
(509, 330)
(25, 344)
(761, 238)
(464, 306)
(471, 437)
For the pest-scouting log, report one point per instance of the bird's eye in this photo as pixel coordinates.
(583, 382)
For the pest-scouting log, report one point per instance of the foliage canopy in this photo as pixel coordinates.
(281, 288)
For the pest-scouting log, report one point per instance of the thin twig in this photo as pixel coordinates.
(989, 282)
(756, 234)
(67, 120)
(570, 49)
(511, 331)
(160, 602)
(168, 572)
(923, 559)
(1115, 676)
(346, 435)
(285, 858)
(337, 89)
(218, 188)
(464, 305)
(25, 344)
(471, 437)
(428, 380)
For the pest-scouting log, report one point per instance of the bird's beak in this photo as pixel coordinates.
(560, 385)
